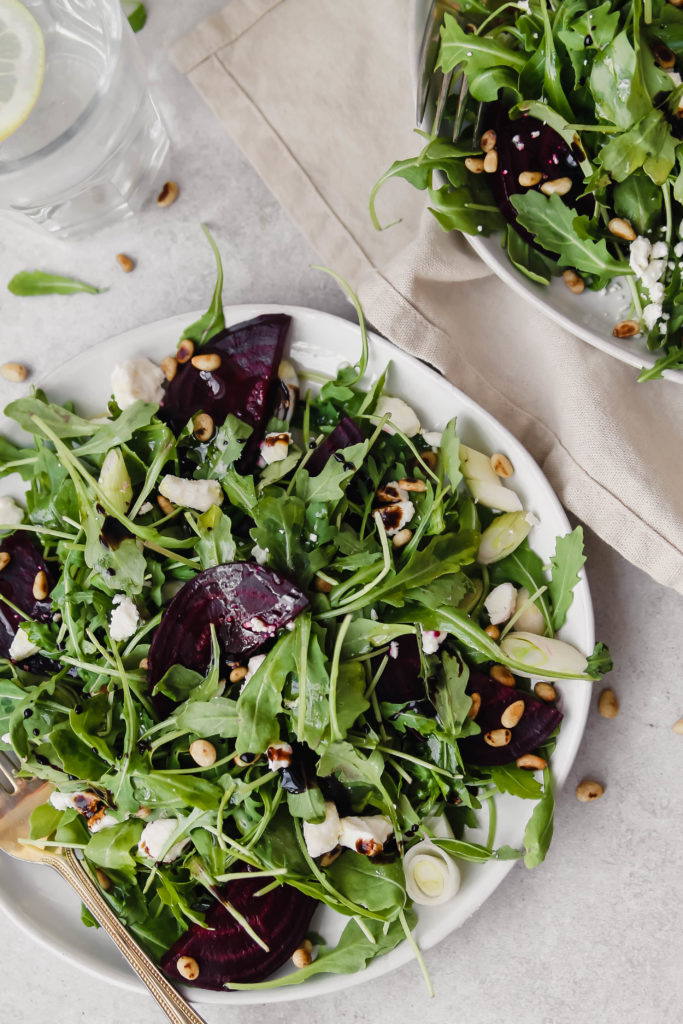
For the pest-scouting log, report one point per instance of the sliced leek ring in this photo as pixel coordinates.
(432, 877)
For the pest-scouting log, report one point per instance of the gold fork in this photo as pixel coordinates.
(18, 799)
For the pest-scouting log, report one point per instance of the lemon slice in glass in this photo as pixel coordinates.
(22, 65)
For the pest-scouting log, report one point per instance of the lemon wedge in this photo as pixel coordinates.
(22, 65)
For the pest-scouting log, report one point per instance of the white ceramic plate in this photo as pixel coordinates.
(37, 899)
(591, 315)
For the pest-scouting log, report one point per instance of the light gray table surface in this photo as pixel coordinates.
(594, 934)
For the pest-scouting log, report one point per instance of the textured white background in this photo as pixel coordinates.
(593, 936)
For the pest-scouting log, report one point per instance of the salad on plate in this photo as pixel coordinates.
(275, 646)
(563, 133)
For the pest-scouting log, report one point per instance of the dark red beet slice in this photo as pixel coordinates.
(528, 144)
(244, 384)
(344, 434)
(246, 603)
(281, 918)
(536, 724)
(400, 682)
(16, 584)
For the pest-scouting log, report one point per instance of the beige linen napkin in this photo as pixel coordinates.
(318, 94)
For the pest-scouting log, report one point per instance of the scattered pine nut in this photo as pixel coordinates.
(502, 675)
(206, 361)
(125, 262)
(678, 727)
(489, 140)
(143, 812)
(238, 674)
(104, 880)
(476, 704)
(493, 632)
(143, 664)
(322, 586)
(501, 465)
(165, 505)
(626, 329)
(475, 164)
(608, 705)
(185, 350)
(203, 753)
(400, 539)
(589, 790)
(544, 691)
(301, 957)
(187, 967)
(429, 458)
(168, 194)
(491, 162)
(665, 57)
(417, 486)
(40, 585)
(558, 186)
(573, 281)
(512, 714)
(498, 737)
(527, 179)
(5, 559)
(169, 364)
(14, 372)
(622, 229)
(330, 857)
(532, 762)
(202, 426)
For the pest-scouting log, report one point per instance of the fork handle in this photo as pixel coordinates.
(171, 1002)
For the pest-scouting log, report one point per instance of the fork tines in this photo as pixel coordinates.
(8, 765)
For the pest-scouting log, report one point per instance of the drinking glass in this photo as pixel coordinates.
(94, 146)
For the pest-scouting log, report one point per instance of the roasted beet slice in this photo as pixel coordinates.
(400, 682)
(528, 144)
(246, 603)
(536, 724)
(344, 434)
(245, 383)
(280, 917)
(16, 584)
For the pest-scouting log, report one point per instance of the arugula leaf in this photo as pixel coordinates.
(618, 91)
(260, 701)
(525, 568)
(671, 360)
(460, 210)
(648, 144)
(213, 320)
(566, 563)
(539, 829)
(353, 766)
(450, 700)
(476, 53)
(441, 555)
(136, 14)
(638, 199)
(377, 886)
(600, 662)
(309, 804)
(36, 282)
(216, 544)
(215, 717)
(111, 847)
(517, 781)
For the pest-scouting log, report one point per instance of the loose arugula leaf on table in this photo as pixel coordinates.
(37, 282)
(136, 14)
(213, 320)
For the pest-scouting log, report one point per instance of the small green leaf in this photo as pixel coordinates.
(212, 321)
(566, 563)
(36, 282)
(136, 14)
(539, 829)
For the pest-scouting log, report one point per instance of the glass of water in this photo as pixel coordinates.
(93, 147)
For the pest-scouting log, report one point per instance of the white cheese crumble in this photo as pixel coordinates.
(260, 555)
(432, 437)
(253, 665)
(196, 494)
(431, 640)
(137, 380)
(402, 416)
(21, 647)
(257, 625)
(648, 263)
(146, 507)
(124, 618)
(393, 649)
(11, 514)
(156, 835)
(501, 602)
(279, 755)
(274, 447)
(321, 837)
(102, 821)
(396, 516)
(6, 738)
(365, 835)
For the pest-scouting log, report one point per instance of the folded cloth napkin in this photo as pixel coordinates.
(320, 98)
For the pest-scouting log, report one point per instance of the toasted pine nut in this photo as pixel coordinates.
(40, 585)
(206, 361)
(168, 194)
(400, 539)
(322, 586)
(476, 704)
(203, 753)
(143, 664)
(14, 372)
(330, 857)
(202, 426)
(608, 705)
(185, 350)
(589, 790)
(622, 229)
(491, 162)
(532, 762)
(418, 486)
(493, 632)
(502, 675)
(169, 364)
(678, 727)
(501, 465)
(165, 505)
(301, 957)
(429, 458)
(143, 812)
(573, 281)
(238, 674)
(498, 737)
(104, 880)
(125, 262)
(558, 186)
(665, 57)
(187, 967)
(527, 179)
(475, 164)
(512, 714)
(488, 140)
(5, 559)
(544, 691)
(626, 329)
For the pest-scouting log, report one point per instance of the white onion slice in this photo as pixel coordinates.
(432, 877)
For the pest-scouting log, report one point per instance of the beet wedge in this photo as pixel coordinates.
(244, 384)
(16, 584)
(536, 724)
(227, 953)
(343, 436)
(246, 603)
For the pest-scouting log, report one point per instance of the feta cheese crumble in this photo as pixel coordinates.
(260, 555)
(155, 837)
(274, 447)
(137, 380)
(196, 494)
(365, 835)
(124, 618)
(21, 647)
(11, 514)
(321, 837)
(431, 640)
(279, 755)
